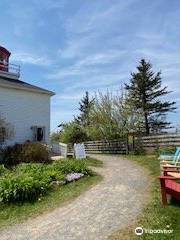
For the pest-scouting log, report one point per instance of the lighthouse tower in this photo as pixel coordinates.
(4, 59)
(7, 69)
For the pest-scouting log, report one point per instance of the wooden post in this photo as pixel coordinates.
(127, 145)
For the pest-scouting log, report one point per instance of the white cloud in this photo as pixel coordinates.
(75, 47)
(68, 95)
(90, 64)
(49, 4)
(96, 16)
(102, 80)
(101, 58)
(90, 27)
(28, 58)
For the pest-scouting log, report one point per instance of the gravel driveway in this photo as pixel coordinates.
(110, 205)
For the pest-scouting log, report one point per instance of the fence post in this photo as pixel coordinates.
(127, 144)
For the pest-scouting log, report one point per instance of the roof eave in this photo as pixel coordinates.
(19, 87)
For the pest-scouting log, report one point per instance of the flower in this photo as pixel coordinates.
(73, 176)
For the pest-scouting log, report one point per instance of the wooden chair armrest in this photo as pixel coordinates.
(173, 166)
(172, 170)
(170, 167)
(165, 160)
(166, 172)
(168, 177)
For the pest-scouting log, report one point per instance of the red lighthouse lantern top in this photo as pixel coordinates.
(4, 59)
(7, 69)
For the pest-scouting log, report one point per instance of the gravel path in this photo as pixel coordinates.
(106, 207)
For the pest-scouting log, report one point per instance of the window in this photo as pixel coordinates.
(1, 57)
(3, 134)
(38, 133)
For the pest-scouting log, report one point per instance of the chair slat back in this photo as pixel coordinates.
(176, 156)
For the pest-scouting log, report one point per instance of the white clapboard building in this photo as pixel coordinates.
(24, 106)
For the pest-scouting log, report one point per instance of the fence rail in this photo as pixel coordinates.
(164, 140)
(118, 146)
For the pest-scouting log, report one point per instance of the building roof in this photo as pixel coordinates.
(2, 49)
(19, 84)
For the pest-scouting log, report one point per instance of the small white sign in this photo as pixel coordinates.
(63, 149)
(79, 150)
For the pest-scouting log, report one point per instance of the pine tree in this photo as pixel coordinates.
(145, 91)
(85, 106)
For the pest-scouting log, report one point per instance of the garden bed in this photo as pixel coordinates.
(29, 181)
(29, 189)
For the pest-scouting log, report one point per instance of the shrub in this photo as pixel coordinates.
(27, 152)
(27, 181)
(29, 168)
(10, 155)
(3, 170)
(22, 187)
(40, 171)
(165, 150)
(138, 148)
(73, 133)
(35, 152)
(138, 151)
(69, 166)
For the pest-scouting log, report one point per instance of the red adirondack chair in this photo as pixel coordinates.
(169, 186)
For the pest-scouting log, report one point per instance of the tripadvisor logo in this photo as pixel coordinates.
(139, 231)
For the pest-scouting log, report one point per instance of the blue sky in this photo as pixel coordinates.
(73, 46)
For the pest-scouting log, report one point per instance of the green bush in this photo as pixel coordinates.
(69, 166)
(29, 168)
(138, 148)
(22, 187)
(166, 150)
(27, 181)
(73, 133)
(3, 170)
(11, 155)
(40, 171)
(138, 151)
(27, 152)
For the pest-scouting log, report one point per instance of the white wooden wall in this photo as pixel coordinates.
(24, 109)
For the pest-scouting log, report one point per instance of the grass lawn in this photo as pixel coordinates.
(154, 216)
(15, 212)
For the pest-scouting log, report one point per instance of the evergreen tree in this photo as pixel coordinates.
(145, 91)
(85, 106)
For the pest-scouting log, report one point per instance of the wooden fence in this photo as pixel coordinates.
(118, 146)
(121, 146)
(155, 141)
